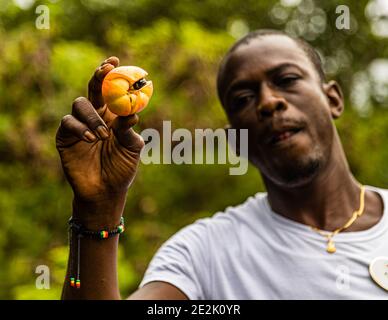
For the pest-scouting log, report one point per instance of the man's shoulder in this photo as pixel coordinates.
(253, 205)
(251, 210)
(223, 227)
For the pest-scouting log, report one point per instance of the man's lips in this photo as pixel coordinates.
(282, 134)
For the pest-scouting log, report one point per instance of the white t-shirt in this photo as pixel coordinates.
(251, 252)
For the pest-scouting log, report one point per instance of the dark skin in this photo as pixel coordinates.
(100, 155)
(271, 85)
(267, 86)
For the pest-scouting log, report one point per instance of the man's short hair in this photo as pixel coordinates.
(311, 53)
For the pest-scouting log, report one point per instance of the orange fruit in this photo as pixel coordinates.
(125, 90)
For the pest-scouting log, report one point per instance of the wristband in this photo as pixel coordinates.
(101, 234)
(80, 231)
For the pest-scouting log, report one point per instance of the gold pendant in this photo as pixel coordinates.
(330, 246)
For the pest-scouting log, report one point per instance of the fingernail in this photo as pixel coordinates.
(90, 137)
(103, 132)
(107, 66)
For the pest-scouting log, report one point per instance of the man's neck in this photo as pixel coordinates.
(328, 201)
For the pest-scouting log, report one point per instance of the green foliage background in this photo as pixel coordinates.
(180, 44)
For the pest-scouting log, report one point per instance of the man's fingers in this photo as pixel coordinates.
(84, 111)
(100, 74)
(112, 60)
(95, 83)
(72, 130)
(122, 127)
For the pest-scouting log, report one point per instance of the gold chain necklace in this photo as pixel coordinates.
(329, 235)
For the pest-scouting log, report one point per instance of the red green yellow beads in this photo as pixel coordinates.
(104, 234)
(75, 283)
(120, 228)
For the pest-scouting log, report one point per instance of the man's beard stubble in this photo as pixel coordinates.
(295, 173)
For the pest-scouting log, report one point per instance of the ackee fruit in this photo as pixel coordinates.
(126, 91)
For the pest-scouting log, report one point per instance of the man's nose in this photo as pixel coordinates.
(270, 101)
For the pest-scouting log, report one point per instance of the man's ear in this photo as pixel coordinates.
(336, 98)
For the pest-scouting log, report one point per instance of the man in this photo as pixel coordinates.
(312, 235)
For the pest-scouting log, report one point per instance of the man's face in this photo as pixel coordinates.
(270, 87)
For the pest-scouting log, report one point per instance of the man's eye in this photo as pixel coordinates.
(286, 80)
(242, 101)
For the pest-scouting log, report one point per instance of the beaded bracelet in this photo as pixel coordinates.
(80, 231)
(102, 234)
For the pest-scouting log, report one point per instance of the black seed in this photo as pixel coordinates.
(139, 84)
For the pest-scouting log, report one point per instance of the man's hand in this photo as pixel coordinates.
(99, 153)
